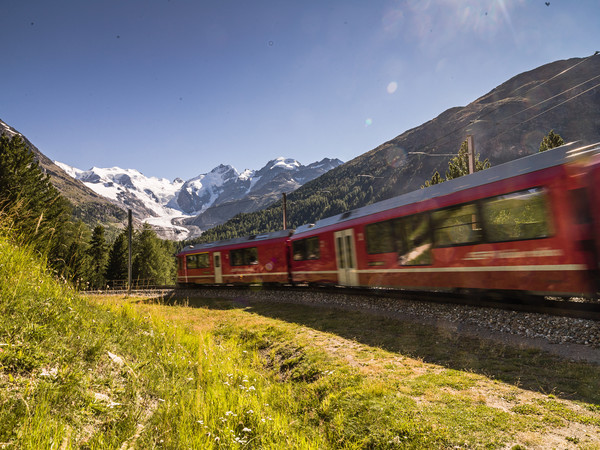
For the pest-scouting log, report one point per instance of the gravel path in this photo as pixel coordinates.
(574, 339)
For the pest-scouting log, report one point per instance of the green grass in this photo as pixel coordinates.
(113, 372)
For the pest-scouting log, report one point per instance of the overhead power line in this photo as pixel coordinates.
(558, 74)
(487, 113)
(548, 110)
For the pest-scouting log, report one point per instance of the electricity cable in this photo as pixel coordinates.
(462, 127)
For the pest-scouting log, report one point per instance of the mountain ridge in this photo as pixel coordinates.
(182, 209)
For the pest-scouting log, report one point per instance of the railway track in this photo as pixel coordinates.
(578, 308)
(575, 307)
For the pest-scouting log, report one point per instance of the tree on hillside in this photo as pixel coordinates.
(458, 166)
(118, 259)
(551, 140)
(98, 258)
(436, 178)
(40, 215)
(76, 259)
(153, 259)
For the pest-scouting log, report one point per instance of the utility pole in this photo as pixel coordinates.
(129, 233)
(471, 153)
(284, 211)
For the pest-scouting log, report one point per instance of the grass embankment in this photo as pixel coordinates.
(141, 373)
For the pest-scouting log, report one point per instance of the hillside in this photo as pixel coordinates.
(138, 372)
(507, 123)
(88, 206)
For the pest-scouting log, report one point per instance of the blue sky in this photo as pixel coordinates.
(175, 87)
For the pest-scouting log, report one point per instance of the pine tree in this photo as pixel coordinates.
(436, 178)
(458, 166)
(153, 260)
(118, 260)
(76, 259)
(41, 216)
(551, 140)
(98, 258)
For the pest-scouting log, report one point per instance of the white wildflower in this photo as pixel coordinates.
(49, 373)
(101, 397)
(116, 359)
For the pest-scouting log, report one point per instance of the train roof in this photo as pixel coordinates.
(528, 164)
(239, 240)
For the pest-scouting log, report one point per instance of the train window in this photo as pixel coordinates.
(413, 240)
(299, 250)
(380, 237)
(313, 251)
(244, 256)
(340, 252)
(308, 248)
(349, 262)
(190, 261)
(199, 261)
(456, 226)
(516, 216)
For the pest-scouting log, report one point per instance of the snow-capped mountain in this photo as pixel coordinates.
(128, 187)
(183, 209)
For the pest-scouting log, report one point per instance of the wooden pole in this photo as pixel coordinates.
(471, 152)
(284, 211)
(129, 233)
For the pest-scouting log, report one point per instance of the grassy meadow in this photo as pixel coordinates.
(136, 372)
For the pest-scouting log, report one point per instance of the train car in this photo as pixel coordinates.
(531, 224)
(252, 259)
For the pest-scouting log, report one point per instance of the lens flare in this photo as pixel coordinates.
(392, 87)
(395, 157)
(368, 122)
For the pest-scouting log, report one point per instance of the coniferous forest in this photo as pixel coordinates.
(40, 216)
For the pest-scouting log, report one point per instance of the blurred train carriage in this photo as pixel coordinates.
(527, 225)
(254, 259)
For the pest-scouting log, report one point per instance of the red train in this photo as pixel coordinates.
(531, 225)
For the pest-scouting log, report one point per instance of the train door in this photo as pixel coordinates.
(217, 266)
(346, 257)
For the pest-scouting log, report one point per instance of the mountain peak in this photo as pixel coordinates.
(158, 200)
(284, 163)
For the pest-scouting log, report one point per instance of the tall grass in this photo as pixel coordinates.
(76, 375)
(129, 373)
